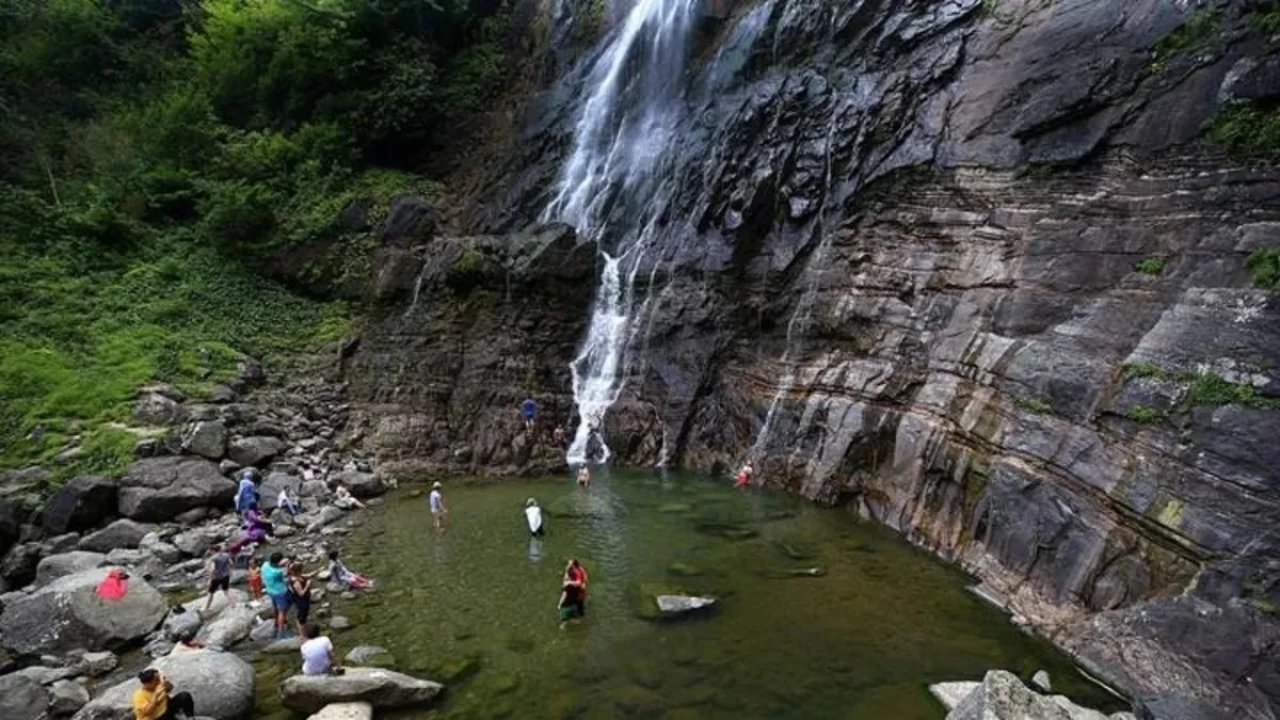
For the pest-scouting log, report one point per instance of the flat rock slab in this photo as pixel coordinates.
(345, 711)
(380, 688)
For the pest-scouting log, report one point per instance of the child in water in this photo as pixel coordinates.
(584, 476)
(573, 593)
(743, 477)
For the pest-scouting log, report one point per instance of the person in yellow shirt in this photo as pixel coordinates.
(153, 702)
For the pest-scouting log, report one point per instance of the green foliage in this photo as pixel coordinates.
(1032, 404)
(1265, 265)
(1201, 31)
(1142, 370)
(1144, 414)
(1209, 389)
(1153, 265)
(1266, 17)
(1245, 129)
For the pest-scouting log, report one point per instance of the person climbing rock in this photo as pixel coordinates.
(533, 514)
(219, 571)
(153, 701)
(438, 510)
(317, 653)
(743, 478)
(558, 437)
(529, 409)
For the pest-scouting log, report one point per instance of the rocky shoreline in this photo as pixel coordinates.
(157, 521)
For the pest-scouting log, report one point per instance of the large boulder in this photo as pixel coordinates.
(68, 613)
(255, 451)
(18, 566)
(22, 698)
(410, 221)
(1002, 695)
(83, 503)
(154, 408)
(231, 626)
(157, 489)
(122, 533)
(59, 566)
(221, 684)
(380, 688)
(361, 484)
(197, 541)
(66, 697)
(207, 438)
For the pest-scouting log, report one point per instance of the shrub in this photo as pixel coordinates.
(1151, 266)
(1206, 388)
(1265, 265)
(1034, 405)
(1142, 370)
(1245, 129)
(1144, 414)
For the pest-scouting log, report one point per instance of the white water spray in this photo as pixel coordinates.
(609, 190)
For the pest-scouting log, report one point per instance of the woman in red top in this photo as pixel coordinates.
(744, 476)
(576, 574)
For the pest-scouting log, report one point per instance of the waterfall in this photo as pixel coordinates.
(610, 189)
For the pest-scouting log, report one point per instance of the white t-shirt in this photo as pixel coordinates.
(534, 513)
(315, 656)
(436, 499)
(283, 498)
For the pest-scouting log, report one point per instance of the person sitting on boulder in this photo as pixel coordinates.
(187, 643)
(317, 653)
(114, 586)
(343, 498)
(338, 573)
(152, 701)
(286, 503)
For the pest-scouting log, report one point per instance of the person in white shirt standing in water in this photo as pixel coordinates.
(438, 510)
(317, 653)
(533, 514)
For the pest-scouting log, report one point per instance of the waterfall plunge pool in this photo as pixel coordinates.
(475, 607)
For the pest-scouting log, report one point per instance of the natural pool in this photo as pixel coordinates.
(477, 603)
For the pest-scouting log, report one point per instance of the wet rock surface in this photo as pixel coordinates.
(380, 688)
(974, 272)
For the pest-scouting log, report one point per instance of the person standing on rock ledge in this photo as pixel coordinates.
(529, 409)
(153, 702)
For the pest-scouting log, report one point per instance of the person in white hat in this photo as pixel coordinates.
(438, 510)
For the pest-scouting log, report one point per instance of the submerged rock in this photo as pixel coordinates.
(793, 573)
(728, 531)
(380, 688)
(680, 569)
(371, 656)
(671, 607)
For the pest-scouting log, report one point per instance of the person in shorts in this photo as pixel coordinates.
(219, 570)
(275, 583)
(438, 511)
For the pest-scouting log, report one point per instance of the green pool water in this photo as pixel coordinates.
(476, 607)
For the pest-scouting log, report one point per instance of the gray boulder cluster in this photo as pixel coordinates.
(1002, 696)
(157, 522)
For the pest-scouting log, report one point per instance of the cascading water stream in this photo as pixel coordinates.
(610, 190)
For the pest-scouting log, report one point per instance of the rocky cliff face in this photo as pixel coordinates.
(969, 267)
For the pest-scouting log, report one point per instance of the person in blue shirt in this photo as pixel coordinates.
(529, 409)
(275, 583)
(247, 493)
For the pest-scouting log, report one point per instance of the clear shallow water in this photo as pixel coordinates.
(478, 603)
